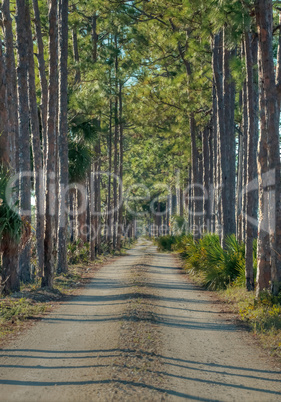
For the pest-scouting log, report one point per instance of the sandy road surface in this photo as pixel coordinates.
(137, 332)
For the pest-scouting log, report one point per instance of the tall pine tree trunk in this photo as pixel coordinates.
(269, 160)
(116, 132)
(251, 164)
(24, 141)
(109, 211)
(226, 138)
(120, 216)
(11, 84)
(36, 150)
(63, 135)
(196, 191)
(43, 79)
(206, 178)
(9, 248)
(49, 263)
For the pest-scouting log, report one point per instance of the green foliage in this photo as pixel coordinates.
(78, 252)
(19, 309)
(222, 267)
(165, 243)
(263, 314)
(11, 224)
(217, 267)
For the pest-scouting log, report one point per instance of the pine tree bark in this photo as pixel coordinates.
(43, 78)
(49, 246)
(82, 214)
(76, 57)
(11, 84)
(4, 141)
(196, 193)
(216, 171)
(229, 140)
(9, 249)
(221, 148)
(239, 215)
(97, 200)
(24, 140)
(93, 216)
(206, 178)
(251, 164)
(226, 139)
(244, 161)
(36, 150)
(109, 211)
(269, 160)
(63, 135)
(116, 133)
(95, 37)
(120, 215)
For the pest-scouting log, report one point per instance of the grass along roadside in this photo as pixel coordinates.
(263, 315)
(223, 271)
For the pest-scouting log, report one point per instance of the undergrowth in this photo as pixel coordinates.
(21, 309)
(262, 315)
(215, 266)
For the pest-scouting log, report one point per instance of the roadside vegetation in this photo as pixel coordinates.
(223, 270)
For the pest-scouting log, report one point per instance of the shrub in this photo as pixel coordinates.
(78, 252)
(217, 267)
(165, 243)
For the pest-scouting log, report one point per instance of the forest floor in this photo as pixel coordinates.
(140, 330)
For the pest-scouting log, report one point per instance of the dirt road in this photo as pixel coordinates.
(138, 331)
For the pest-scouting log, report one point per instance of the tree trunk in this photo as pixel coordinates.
(116, 132)
(120, 216)
(221, 150)
(229, 139)
(225, 102)
(270, 136)
(196, 192)
(244, 162)
(11, 84)
(63, 135)
(10, 256)
(95, 37)
(216, 173)
(24, 141)
(251, 165)
(36, 150)
(206, 178)
(43, 79)
(109, 211)
(93, 217)
(77, 78)
(82, 213)
(239, 215)
(10, 262)
(49, 267)
(97, 199)
(71, 214)
(4, 141)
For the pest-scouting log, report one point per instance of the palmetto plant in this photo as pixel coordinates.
(217, 267)
(14, 233)
(11, 224)
(222, 267)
